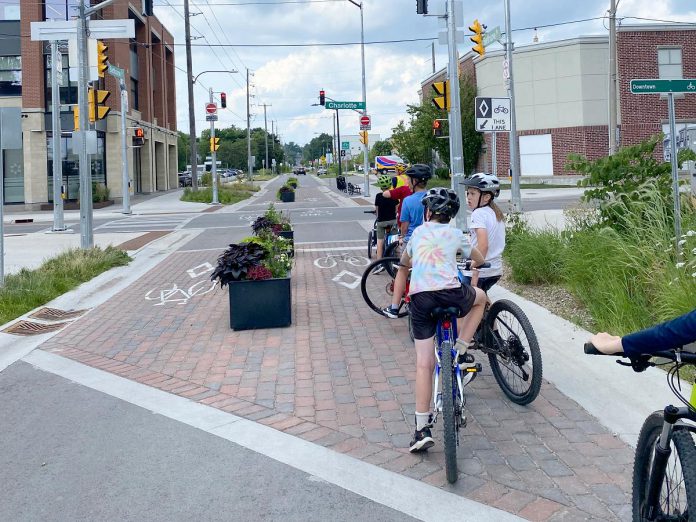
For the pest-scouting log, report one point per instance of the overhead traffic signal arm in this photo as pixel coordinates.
(478, 29)
(442, 100)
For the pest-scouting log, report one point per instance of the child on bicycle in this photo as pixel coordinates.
(487, 227)
(665, 336)
(385, 209)
(411, 217)
(432, 253)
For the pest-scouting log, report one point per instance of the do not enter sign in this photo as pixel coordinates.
(210, 108)
(365, 122)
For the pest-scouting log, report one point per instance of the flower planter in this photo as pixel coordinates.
(287, 197)
(289, 234)
(260, 304)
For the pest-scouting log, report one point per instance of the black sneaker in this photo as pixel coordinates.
(422, 440)
(390, 312)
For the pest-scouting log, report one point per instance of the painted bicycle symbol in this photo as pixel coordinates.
(501, 108)
(691, 86)
(180, 296)
(314, 212)
(331, 260)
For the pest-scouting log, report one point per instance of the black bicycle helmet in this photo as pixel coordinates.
(484, 182)
(440, 200)
(420, 172)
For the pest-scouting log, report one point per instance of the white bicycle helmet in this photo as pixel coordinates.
(484, 182)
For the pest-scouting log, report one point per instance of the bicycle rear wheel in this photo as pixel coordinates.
(395, 250)
(513, 352)
(448, 413)
(678, 489)
(378, 289)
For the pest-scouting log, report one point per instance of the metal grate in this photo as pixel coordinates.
(29, 328)
(54, 314)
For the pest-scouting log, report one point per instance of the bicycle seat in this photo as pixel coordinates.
(445, 313)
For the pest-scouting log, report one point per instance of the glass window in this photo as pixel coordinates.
(669, 63)
(59, 9)
(68, 87)
(14, 175)
(10, 75)
(134, 94)
(71, 165)
(10, 12)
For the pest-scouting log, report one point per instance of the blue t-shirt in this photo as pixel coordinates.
(412, 212)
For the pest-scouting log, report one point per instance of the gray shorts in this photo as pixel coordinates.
(383, 226)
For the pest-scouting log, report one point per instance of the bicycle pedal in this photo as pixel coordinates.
(473, 369)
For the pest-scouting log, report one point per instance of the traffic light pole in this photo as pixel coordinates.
(58, 223)
(366, 156)
(516, 200)
(213, 156)
(86, 232)
(125, 178)
(338, 139)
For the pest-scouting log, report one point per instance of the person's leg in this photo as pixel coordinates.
(380, 247)
(399, 286)
(425, 365)
(467, 325)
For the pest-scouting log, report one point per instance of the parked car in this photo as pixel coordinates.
(321, 171)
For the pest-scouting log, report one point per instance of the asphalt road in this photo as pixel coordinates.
(72, 453)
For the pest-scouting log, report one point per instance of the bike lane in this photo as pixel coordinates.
(342, 377)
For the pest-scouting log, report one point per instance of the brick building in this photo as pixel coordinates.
(25, 99)
(561, 91)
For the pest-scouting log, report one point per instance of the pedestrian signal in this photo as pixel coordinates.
(138, 137)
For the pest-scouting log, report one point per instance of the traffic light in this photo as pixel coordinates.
(102, 59)
(322, 98)
(223, 100)
(437, 128)
(478, 29)
(421, 6)
(442, 100)
(214, 144)
(138, 137)
(363, 137)
(96, 110)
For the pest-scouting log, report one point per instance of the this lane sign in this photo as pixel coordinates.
(492, 114)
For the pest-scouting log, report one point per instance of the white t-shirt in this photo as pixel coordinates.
(433, 250)
(484, 217)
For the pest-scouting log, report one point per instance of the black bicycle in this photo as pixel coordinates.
(504, 334)
(664, 469)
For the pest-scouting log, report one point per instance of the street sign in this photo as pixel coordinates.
(343, 153)
(491, 36)
(345, 105)
(364, 120)
(211, 117)
(116, 72)
(658, 86)
(492, 114)
(211, 108)
(345, 145)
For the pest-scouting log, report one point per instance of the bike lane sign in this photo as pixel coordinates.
(492, 114)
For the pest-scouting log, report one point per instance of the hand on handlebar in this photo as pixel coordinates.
(606, 344)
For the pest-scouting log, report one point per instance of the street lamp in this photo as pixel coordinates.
(366, 160)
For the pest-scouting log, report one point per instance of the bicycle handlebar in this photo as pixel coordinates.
(466, 265)
(369, 212)
(642, 361)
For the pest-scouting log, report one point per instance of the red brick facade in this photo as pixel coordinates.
(642, 115)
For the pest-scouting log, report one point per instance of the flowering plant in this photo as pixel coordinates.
(272, 219)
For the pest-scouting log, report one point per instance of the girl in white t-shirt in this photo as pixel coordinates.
(487, 227)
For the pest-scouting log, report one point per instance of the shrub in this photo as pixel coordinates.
(283, 189)
(206, 180)
(100, 192)
(442, 173)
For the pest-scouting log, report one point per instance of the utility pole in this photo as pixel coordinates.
(125, 178)
(213, 156)
(272, 140)
(432, 50)
(250, 165)
(338, 140)
(333, 143)
(455, 113)
(612, 78)
(265, 130)
(86, 232)
(516, 202)
(192, 111)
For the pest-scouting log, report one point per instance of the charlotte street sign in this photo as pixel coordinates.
(116, 72)
(491, 36)
(659, 86)
(345, 105)
(492, 114)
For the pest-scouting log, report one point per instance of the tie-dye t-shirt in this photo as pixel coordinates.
(433, 249)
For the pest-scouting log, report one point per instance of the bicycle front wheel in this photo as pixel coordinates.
(677, 499)
(448, 414)
(513, 352)
(370, 240)
(377, 286)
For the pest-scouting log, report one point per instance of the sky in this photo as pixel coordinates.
(255, 34)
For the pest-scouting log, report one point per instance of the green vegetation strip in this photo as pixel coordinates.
(227, 194)
(29, 289)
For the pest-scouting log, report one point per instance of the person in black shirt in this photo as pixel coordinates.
(386, 215)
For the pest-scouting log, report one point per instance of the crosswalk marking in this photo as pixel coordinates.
(145, 222)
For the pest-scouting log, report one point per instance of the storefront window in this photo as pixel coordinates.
(14, 175)
(71, 165)
(60, 9)
(10, 75)
(68, 87)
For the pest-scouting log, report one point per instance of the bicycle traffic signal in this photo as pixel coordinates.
(363, 137)
(421, 6)
(102, 59)
(138, 137)
(478, 29)
(437, 128)
(223, 100)
(322, 98)
(442, 100)
(214, 144)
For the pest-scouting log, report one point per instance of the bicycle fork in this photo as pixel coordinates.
(659, 463)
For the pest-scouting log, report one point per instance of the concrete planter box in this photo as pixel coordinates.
(287, 197)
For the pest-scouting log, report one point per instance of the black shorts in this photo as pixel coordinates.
(423, 303)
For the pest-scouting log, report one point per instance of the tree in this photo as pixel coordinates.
(183, 150)
(317, 147)
(381, 148)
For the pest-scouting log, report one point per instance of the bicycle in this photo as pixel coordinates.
(331, 260)
(659, 486)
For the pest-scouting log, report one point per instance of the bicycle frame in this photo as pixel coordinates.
(446, 331)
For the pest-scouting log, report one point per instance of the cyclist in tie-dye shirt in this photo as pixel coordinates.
(432, 252)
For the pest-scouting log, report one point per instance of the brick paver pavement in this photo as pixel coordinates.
(343, 377)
